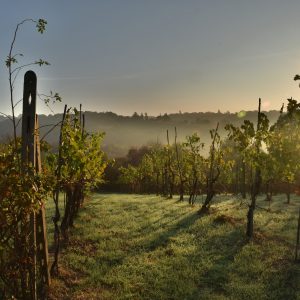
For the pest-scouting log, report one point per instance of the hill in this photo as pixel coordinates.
(123, 132)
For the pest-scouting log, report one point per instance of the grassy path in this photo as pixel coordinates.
(146, 247)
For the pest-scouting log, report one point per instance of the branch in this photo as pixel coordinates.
(15, 34)
(38, 62)
(48, 125)
(39, 95)
(18, 122)
(18, 102)
(217, 175)
(54, 96)
(18, 69)
(41, 25)
(49, 131)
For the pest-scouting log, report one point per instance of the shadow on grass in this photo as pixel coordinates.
(285, 282)
(225, 247)
(162, 239)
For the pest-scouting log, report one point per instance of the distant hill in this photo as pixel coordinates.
(123, 132)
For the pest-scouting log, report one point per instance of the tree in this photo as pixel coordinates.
(170, 167)
(213, 168)
(242, 137)
(129, 176)
(157, 156)
(255, 156)
(179, 160)
(20, 196)
(82, 165)
(229, 177)
(77, 168)
(194, 161)
(284, 145)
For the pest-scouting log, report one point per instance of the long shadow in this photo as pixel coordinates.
(145, 244)
(226, 247)
(163, 238)
(156, 225)
(160, 241)
(285, 282)
(134, 207)
(216, 277)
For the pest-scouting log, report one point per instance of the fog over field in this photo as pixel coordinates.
(124, 132)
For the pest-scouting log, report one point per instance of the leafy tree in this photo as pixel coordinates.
(20, 196)
(284, 145)
(180, 159)
(243, 138)
(229, 177)
(135, 155)
(82, 165)
(255, 156)
(213, 168)
(170, 153)
(129, 176)
(192, 148)
(158, 158)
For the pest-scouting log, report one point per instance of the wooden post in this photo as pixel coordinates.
(80, 113)
(181, 188)
(31, 157)
(42, 243)
(28, 158)
(28, 120)
(297, 239)
(56, 218)
(257, 179)
(170, 172)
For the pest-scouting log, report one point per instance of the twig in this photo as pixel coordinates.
(49, 131)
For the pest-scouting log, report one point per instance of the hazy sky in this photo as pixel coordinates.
(158, 56)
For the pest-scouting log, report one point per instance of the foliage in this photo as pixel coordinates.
(284, 143)
(193, 164)
(81, 165)
(82, 157)
(129, 176)
(20, 196)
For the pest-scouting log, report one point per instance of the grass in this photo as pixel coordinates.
(146, 247)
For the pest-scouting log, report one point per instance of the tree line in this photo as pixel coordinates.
(252, 159)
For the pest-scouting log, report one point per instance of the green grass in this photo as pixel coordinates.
(146, 247)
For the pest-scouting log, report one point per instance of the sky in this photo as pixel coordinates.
(156, 56)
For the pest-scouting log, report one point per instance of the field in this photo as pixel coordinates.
(147, 247)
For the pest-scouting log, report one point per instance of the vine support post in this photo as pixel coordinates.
(54, 267)
(30, 156)
(170, 171)
(297, 240)
(179, 166)
(255, 188)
